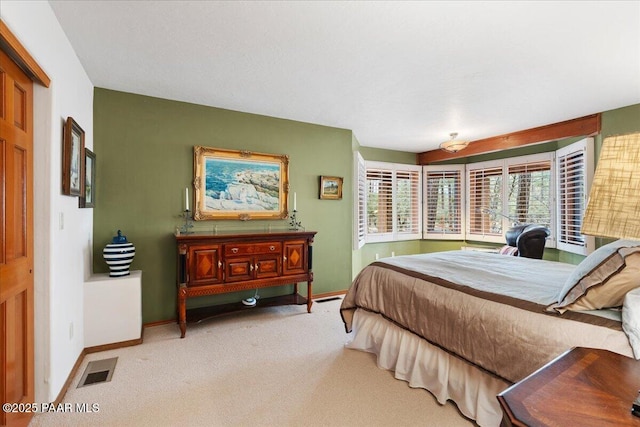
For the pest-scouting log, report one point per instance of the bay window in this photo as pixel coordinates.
(478, 201)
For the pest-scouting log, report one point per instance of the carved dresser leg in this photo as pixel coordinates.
(182, 309)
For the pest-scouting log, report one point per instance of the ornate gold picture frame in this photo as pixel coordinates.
(240, 185)
(330, 187)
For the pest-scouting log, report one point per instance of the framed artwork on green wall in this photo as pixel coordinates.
(244, 185)
(331, 187)
(87, 199)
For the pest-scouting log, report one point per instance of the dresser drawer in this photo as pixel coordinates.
(252, 248)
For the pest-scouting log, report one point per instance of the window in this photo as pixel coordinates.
(443, 195)
(379, 201)
(530, 194)
(479, 201)
(575, 172)
(506, 192)
(485, 202)
(360, 205)
(393, 208)
(408, 202)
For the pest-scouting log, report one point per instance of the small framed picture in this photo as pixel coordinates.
(72, 158)
(331, 187)
(87, 199)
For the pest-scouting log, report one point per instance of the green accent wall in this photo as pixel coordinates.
(144, 162)
(621, 121)
(390, 156)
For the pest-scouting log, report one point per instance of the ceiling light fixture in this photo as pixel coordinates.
(454, 145)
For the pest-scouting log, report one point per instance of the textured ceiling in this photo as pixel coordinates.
(401, 75)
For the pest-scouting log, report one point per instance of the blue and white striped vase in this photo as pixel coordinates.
(118, 255)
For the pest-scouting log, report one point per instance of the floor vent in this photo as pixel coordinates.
(327, 299)
(98, 371)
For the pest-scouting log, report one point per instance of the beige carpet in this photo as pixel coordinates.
(264, 367)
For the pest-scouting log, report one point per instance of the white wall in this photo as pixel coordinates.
(62, 251)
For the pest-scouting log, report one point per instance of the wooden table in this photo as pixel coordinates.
(582, 387)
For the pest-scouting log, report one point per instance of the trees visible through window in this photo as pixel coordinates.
(392, 202)
(530, 189)
(443, 197)
(509, 192)
(485, 201)
(379, 201)
(479, 201)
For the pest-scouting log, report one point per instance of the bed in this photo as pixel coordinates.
(465, 325)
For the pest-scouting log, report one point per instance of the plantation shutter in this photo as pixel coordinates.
(360, 204)
(485, 195)
(407, 203)
(575, 170)
(379, 201)
(443, 202)
(529, 193)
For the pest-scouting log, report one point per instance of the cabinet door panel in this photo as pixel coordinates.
(205, 264)
(295, 261)
(267, 266)
(238, 268)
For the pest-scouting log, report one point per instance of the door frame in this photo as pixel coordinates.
(12, 47)
(10, 44)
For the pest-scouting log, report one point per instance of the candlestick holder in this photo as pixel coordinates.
(188, 222)
(294, 223)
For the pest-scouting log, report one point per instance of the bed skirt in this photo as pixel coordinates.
(426, 366)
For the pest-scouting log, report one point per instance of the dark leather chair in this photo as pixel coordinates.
(529, 239)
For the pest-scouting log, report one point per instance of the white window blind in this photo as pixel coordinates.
(379, 201)
(575, 171)
(393, 202)
(408, 201)
(485, 200)
(507, 192)
(360, 203)
(477, 202)
(530, 193)
(443, 202)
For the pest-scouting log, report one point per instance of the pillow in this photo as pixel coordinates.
(508, 250)
(631, 320)
(611, 293)
(603, 261)
(602, 279)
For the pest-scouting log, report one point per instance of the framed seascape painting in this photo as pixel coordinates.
(239, 184)
(72, 161)
(331, 187)
(87, 199)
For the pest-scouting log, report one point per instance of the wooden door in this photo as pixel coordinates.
(16, 248)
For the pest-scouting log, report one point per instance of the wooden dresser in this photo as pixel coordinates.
(220, 263)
